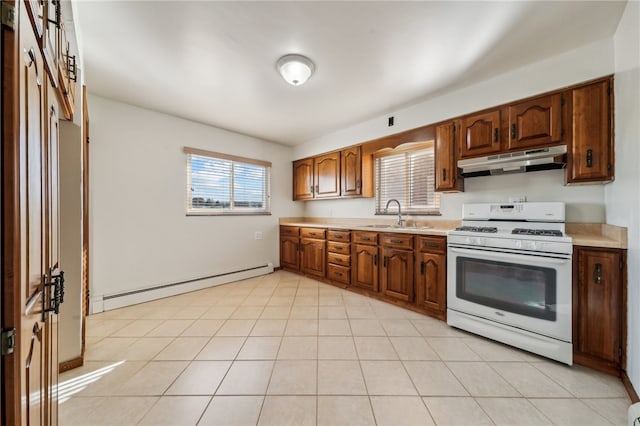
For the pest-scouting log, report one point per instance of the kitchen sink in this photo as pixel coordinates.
(381, 226)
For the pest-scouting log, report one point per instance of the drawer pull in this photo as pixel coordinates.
(337, 274)
(366, 239)
(422, 267)
(444, 175)
(513, 131)
(375, 260)
(431, 245)
(384, 261)
(495, 135)
(597, 273)
(396, 241)
(338, 237)
(589, 158)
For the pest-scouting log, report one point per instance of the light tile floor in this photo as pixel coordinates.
(286, 350)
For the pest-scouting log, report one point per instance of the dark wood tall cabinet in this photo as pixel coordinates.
(598, 310)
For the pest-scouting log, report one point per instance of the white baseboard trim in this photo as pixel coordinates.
(120, 300)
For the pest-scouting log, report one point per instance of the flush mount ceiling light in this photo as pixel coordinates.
(295, 69)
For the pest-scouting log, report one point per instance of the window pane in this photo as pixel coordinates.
(248, 186)
(226, 186)
(210, 183)
(408, 177)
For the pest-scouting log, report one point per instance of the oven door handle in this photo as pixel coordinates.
(509, 256)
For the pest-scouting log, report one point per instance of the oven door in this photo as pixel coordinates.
(528, 291)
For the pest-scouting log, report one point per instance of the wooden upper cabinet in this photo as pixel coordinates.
(591, 153)
(447, 177)
(346, 173)
(480, 134)
(327, 175)
(303, 179)
(351, 171)
(535, 123)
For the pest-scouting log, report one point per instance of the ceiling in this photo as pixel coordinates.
(214, 62)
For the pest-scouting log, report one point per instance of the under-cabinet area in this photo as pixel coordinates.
(408, 268)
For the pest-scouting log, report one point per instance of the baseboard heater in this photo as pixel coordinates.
(127, 298)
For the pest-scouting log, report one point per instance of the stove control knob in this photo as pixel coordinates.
(530, 245)
(482, 241)
(518, 244)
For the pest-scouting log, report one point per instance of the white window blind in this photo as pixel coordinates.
(408, 175)
(219, 184)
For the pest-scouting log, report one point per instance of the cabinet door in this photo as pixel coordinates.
(591, 153)
(303, 179)
(535, 123)
(598, 314)
(351, 171)
(480, 135)
(327, 175)
(447, 178)
(289, 258)
(365, 267)
(397, 274)
(431, 283)
(313, 256)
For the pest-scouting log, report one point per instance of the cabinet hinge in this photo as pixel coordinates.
(562, 101)
(621, 265)
(619, 352)
(9, 15)
(8, 341)
(609, 166)
(608, 89)
(561, 133)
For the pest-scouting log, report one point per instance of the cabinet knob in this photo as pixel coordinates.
(597, 273)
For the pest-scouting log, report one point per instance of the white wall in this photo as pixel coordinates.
(623, 196)
(584, 203)
(140, 234)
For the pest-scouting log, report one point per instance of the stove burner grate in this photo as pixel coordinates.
(485, 229)
(539, 232)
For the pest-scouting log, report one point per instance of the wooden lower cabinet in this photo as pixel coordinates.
(431, 275)
(289, 253)
(339, 257)
(396, 274)
(598, 310)
(313, 259)
(365, 267)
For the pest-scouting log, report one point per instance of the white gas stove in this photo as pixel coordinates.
(509, 276)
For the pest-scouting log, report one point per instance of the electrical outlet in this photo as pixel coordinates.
(390, 121)
(257, 235)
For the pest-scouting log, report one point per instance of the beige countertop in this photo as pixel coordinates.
(582, 234)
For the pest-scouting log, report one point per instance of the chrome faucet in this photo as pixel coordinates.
(400, 220)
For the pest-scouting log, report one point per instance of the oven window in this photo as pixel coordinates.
(521, 289)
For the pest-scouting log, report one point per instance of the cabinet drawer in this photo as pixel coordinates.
(363, 237)
(339, 259)
(432, 244)
(342, 248)
(312, 233)
(339, 273)
(333, 235)
(397, 241)
(289, 231)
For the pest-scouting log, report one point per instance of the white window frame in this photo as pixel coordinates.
(232, 209)
(407, 199)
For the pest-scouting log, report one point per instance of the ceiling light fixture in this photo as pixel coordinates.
(295, 69)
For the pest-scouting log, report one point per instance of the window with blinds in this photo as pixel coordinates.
(408, 175)
(220, 184)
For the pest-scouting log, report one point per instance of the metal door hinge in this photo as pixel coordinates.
(621, 265)
(8, 341)
(562, 101)
(9, 15)
(608, 89)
